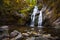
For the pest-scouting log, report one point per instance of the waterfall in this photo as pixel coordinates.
(33, 16)
(40, 19)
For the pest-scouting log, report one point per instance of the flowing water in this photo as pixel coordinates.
(40, 19)
(35, 10)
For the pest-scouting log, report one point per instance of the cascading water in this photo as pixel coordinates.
(33, 16)
(35, 11)
(40, 19)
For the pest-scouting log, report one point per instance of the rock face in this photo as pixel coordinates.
(50, 16)
(56, 23)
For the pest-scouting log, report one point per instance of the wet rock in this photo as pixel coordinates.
(1, 34)
(4, 27)
(13, 39)
(15, 35)
(19, 36)
(5, 39)
(35, 33)
(40, 31)
(38, 34)
(25, 34)
(29, 33)
(31, 38)
(46, 35)
(40, 38)
(32, 29)
(25, 30)
(4, 35)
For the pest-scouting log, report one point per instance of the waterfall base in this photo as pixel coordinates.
(31, 25)
(40, 26)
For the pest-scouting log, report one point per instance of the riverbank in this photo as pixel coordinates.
(53, 32)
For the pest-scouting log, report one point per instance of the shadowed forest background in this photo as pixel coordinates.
(18, 12)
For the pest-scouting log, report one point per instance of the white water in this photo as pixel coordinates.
(35, 10)
(40, 18)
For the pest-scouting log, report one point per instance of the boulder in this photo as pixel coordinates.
(40, 38)
(4, 35)
(25, 34)
(15, 35)
(46, 35)
(31, 38)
